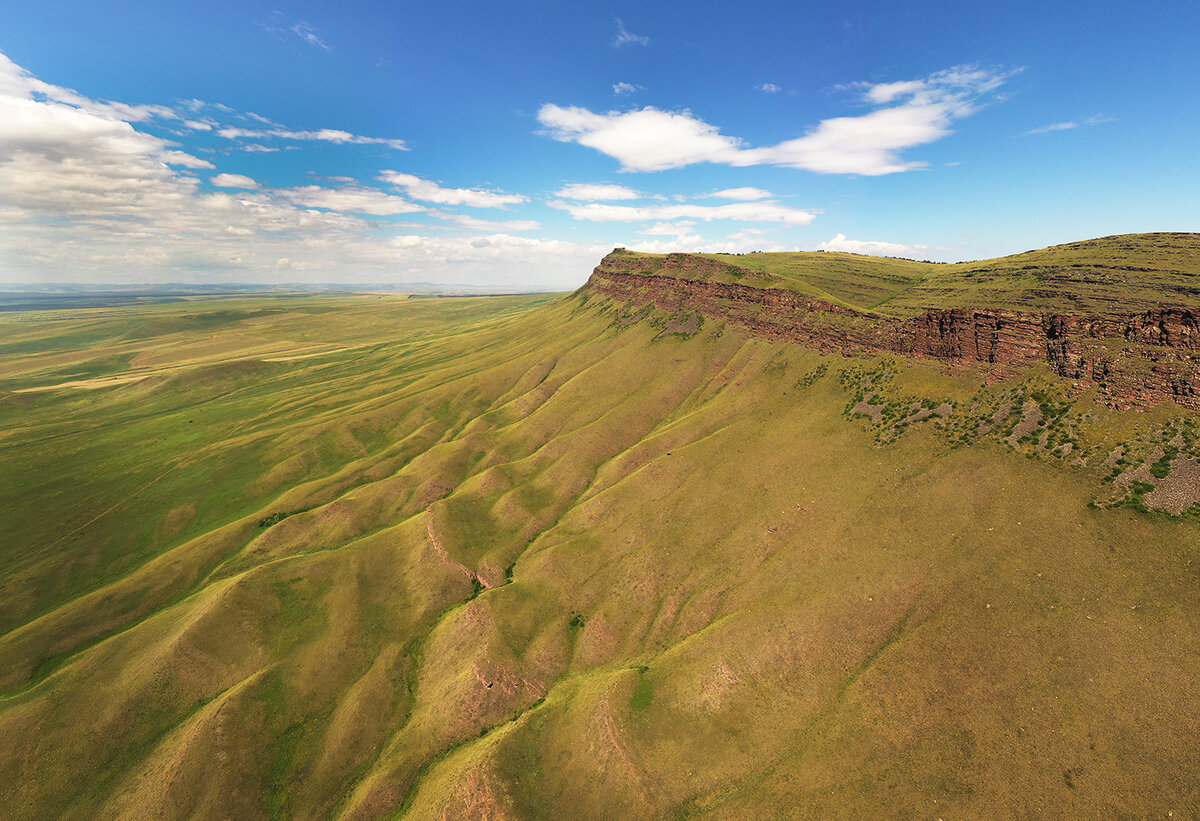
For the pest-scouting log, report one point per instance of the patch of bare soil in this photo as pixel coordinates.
(1111, 462)
(687, 326)
(986, 426)
(867, 409)
(919, 413)
(478, 797)
(1028, 423)
(1003, 411)
(1142, 473)
(1179, 490)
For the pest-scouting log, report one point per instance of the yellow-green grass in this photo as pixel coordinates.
(1123, 273)
(520, 559)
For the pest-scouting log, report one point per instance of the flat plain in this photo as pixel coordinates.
(543, 556)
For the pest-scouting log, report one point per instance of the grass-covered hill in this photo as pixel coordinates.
(536, 557)
(1120, 313)
(1125, 273)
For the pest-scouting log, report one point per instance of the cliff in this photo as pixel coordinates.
(1135, 359)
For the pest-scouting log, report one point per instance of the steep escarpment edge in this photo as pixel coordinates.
(1135, 359)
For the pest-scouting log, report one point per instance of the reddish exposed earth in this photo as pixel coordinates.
(1156, 357)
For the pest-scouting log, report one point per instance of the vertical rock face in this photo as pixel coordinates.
(1135, 359)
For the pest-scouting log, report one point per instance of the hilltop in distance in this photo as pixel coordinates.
(715, 536)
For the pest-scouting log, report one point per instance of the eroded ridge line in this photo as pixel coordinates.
(446, 559)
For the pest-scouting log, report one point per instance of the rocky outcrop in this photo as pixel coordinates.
(1135, 359)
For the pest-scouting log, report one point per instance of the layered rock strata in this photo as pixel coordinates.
(1135, 359)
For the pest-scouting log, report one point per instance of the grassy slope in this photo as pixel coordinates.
(720, 594)
(1129, 272)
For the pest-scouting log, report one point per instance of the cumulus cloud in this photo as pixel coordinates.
(768, 88)
(648, 139)
(233, 181)
(597, 191)
(914, 112)
(744, 194)
(870, 247)
(742, 211)
(85, 196)
(429, 191)
(624, 37)
(62, 154)
(626, 88)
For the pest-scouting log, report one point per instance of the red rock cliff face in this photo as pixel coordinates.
(1135, 359)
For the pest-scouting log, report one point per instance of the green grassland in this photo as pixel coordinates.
(1124, 273)
(558, 557)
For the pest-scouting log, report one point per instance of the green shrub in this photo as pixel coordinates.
(476, 587)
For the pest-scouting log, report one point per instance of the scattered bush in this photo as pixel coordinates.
(276, 518)
(476, 588)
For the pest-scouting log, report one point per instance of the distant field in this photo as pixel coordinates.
(550, 557)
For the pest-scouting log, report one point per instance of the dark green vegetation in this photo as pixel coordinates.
(535, 557)
(1125, 273)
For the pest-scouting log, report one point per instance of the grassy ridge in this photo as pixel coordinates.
(492, 555)
(1123, 273)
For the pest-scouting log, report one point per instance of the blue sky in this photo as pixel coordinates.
(512, 145)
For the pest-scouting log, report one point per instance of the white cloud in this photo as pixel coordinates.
(744, 194)
(597, 191)
(626, 88)
(768, 88)
(696, 244)
(882, 93)
(669, 229)
(918, 112)
(351, 199)
(429, 191)
(1045, 129)
(308, 34)
(233, 181)
(742, 211)
(625, 37)
(331, 135)
(867, 145)
(64, 155)
(84, 196)
(1096, 119)
(748, 234)
(476, 224)
(644, 140)
(281, 30)
(871, 247)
